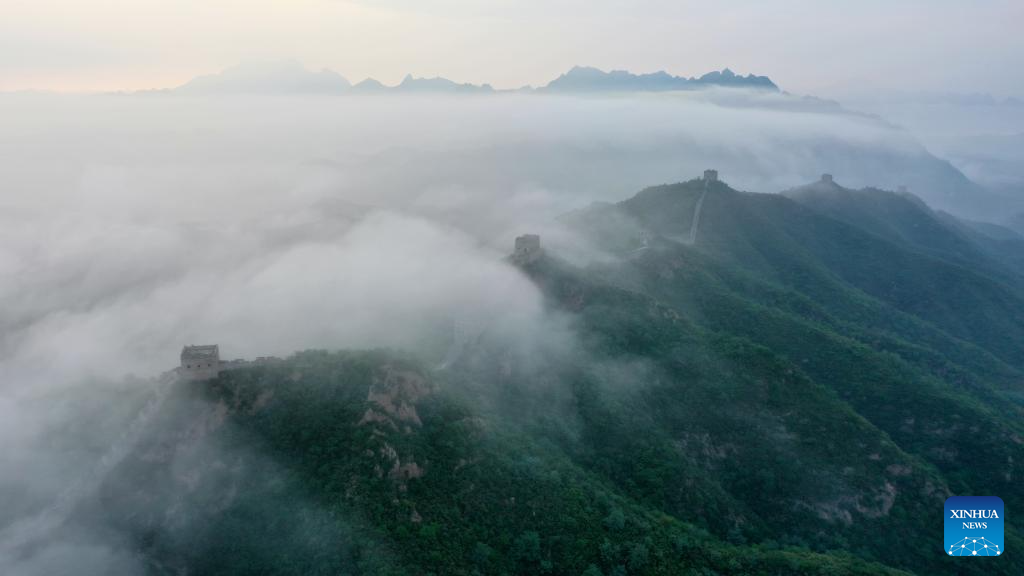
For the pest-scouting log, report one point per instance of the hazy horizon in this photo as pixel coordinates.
(106, 46)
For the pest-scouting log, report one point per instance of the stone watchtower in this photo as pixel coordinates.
(527, 249)
(827, 179)
(711, 175)
(200, 362)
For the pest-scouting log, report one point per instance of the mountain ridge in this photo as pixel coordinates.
(280, 77)
(289, 76)
(901, 216)
(589, 79)
(745, 403)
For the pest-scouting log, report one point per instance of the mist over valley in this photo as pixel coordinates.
(280, 320)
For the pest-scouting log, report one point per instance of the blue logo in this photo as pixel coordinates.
(974, 526)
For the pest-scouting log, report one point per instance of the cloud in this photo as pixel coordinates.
(130, 226)
(86, 558)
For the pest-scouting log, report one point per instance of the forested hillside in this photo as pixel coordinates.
(796, 392)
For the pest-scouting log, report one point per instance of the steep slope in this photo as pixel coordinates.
(900, 218)
(899, 401)
(836, 264)
(770, 271)
(905, 219)
(544, 463)
(362, 463)
(759, 401)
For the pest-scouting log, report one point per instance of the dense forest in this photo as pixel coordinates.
(795, 392)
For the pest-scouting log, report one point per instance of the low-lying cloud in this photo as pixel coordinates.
(130, 226)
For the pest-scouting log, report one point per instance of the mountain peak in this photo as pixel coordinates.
(369, 85)
(439, 84)
(267, 77)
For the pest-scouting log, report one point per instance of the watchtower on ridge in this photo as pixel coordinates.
(527, 248)
(200, 362)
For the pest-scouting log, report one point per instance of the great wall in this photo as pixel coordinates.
(203, 362)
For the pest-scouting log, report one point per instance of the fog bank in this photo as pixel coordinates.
(132, 225)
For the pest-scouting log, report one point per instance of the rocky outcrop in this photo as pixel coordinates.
(393, 396)
(877, 504)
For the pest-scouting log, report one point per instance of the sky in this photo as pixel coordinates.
(806, 46)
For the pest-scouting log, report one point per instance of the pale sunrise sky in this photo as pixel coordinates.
(806, 46)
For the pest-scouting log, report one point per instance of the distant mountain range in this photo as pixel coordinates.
(411, 84)
(291, 77)
(284, 77)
